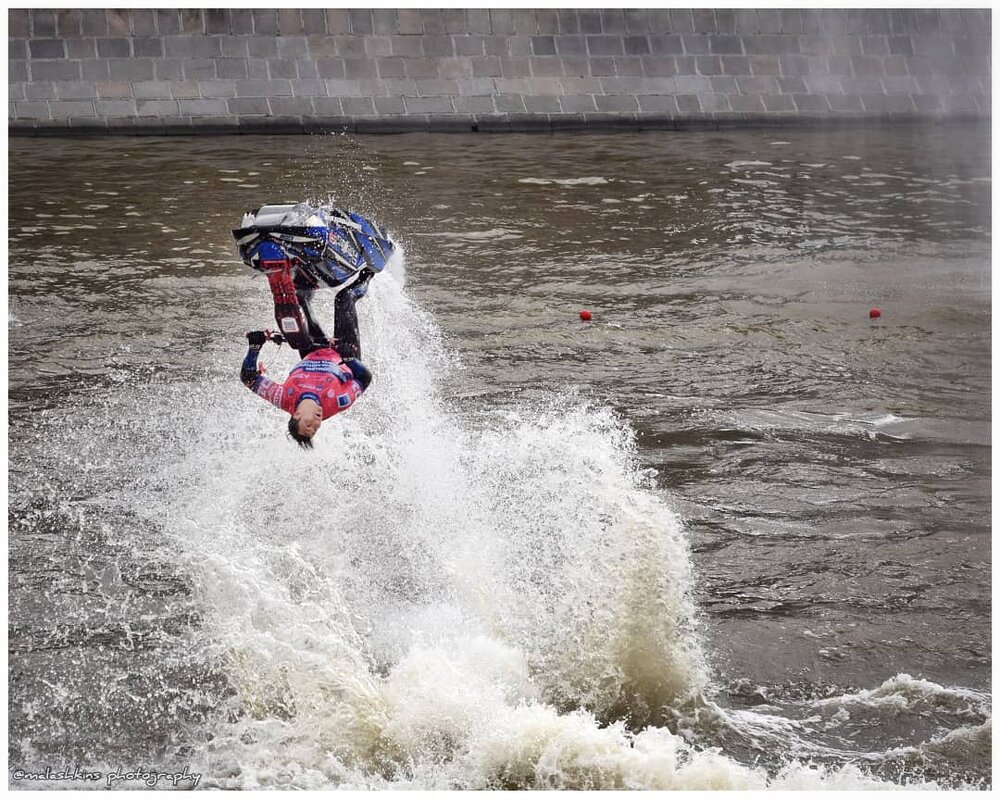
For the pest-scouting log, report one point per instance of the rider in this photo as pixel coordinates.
(300, 248)
(328, 379)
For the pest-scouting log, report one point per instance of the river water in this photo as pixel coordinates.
(729, 533)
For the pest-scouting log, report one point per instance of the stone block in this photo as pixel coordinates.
(455, 67)
(198, 68)
(46, 48)
(407, 46)
(874, 45)
(429, 105)
(291, 106)
(622, 103)
(822, 84)
(265, 21)
(330, 67)
(764, 65)
(735, 65)
(358, 106)
(478, 20)
(723, 84)
(509, 103)
(657, 104)
(389, 105)
(637, 20)
(496, 45)
(378, 46)
(75, 90)
(669, 44)
(468, 45)
(811, 103)
(867, 66)
(475, 86)
(746, 103)
(575, 66)
(637, 45)
(547, 21)
(433, 88)
(240, 21)
(605, 45)
(485, 67)
(75, 48)
(37, 109)
(231, 68)
(115, 108)
(291, 47)
(262, 46)
(350, 46)
(146, 47)
(660, 67)
(793, 84)
(475, 104)
(569, 21)
(547, 67)
(590, 21)
(96, 69)
(360, 68)
(778, 103)
(203, 107)
(580, 85)
(390, 67)
(222, 89)
(681, 20)
(192, 21)
(571, 45)
(628, 66)
(262, 88)
(613, 20)
(309, 87)
(577, 103)
(248, 106)
(40, 90)
(62, 70)
(114, 47)
(384, 21)
(151, 90)
(926, 103)
(361, 21)
(290, 22)
(725, 45)
(410, 21)
(18, 23)
(708, 65)
(501, 22)
(64, 109)
(343, 88)
(543, 45)
(758, 85)
(43, 22)
(438, 45)
(216, 21)
(280, 68)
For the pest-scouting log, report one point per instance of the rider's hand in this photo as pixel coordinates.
(256, 339)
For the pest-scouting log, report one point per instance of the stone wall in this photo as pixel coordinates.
(234, 70)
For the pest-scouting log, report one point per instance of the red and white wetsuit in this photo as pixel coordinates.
(321, 376)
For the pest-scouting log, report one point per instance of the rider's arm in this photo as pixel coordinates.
(360, 372)
(252, 376)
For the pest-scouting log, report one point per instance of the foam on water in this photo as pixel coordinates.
(443, 595)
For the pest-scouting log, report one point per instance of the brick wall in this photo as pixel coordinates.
(181, 71)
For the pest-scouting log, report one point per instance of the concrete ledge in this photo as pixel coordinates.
(467, 123)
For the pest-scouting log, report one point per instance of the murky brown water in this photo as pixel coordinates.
(832, 473)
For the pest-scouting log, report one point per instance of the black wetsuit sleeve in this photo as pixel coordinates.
(360, 372)
(248, 372)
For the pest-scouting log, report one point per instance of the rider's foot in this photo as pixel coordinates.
(360, 287)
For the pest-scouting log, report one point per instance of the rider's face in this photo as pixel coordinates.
(309, 415)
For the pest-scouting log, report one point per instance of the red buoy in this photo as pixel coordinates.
(585, 315)
(875, 313)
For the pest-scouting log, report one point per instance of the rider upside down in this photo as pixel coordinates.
(301, 248)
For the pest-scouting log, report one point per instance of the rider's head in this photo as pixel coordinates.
(305, 421)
